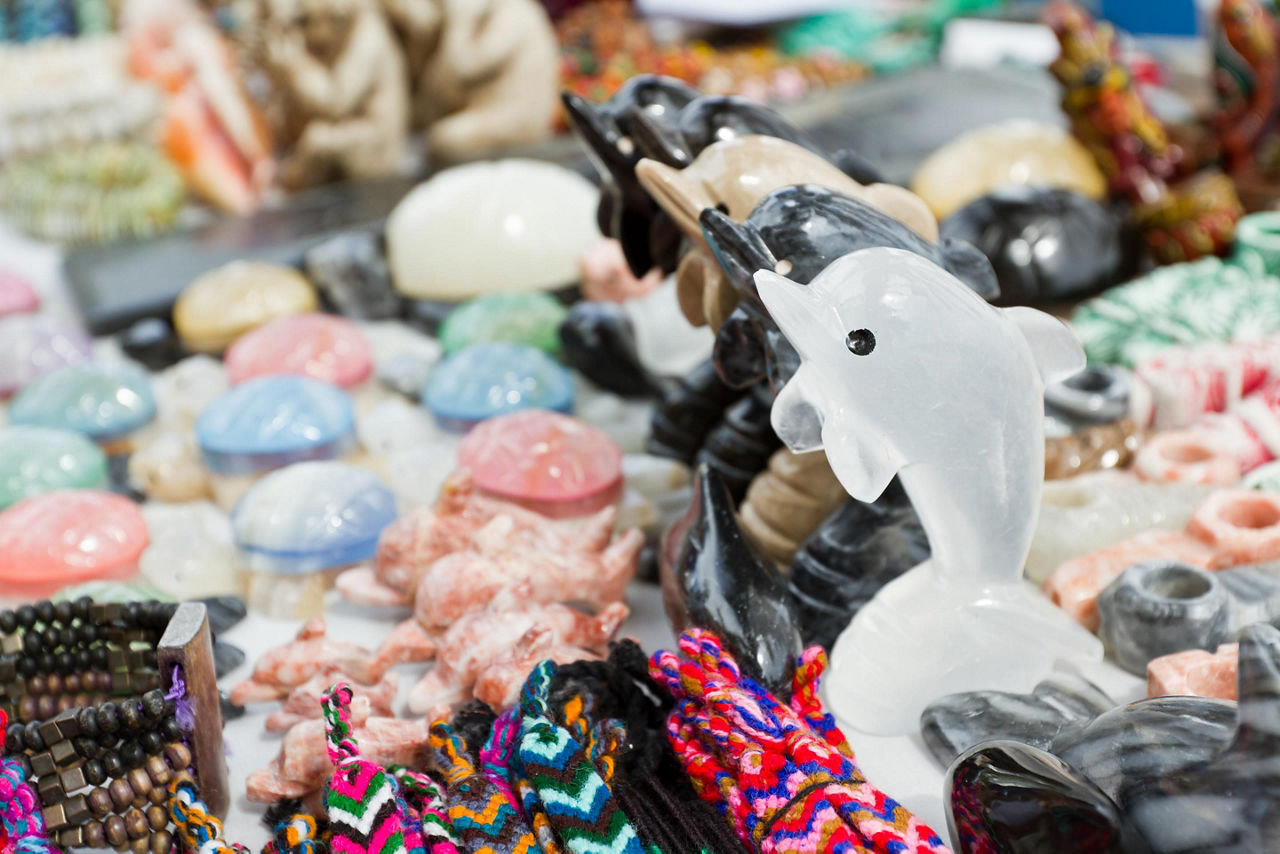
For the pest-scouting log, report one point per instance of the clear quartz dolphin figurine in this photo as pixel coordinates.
(906, 371)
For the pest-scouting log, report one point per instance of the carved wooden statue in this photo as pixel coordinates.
(484, 73)
(340, 94)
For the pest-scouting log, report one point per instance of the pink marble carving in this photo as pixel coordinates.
(303, 703)
(576, 567)
(500, 683)
(303, 765)
(279, 671)
(477, 641)
(1195, 672)
(411, 544)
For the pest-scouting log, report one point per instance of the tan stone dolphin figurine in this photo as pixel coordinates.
(733, 176)
(905, 370)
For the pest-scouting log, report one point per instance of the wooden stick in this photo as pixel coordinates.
(188, 643)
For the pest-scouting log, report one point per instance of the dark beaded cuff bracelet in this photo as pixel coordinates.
(89, 692)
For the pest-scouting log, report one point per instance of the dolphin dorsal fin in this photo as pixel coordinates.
(1054, 346)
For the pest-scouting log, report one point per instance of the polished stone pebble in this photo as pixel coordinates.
(1046, 244)
(485, 380)
(16, 295)
(270, 422)
(102, 401)
(153, 343)
(312, 516)
(41, 459)
(321, 346)
(598, 340)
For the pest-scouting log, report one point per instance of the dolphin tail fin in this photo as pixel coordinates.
(925, 635)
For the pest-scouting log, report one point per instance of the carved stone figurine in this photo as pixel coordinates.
(733, 176)
(341, 103)
(484, 73)
(714, 577)
(894, 349)
(1164, 775)
(663, 119)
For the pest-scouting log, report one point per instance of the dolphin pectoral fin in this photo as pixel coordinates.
(863, 471)
(1054, 346)
(796, 420)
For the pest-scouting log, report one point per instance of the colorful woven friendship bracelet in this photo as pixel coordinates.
(784, 774)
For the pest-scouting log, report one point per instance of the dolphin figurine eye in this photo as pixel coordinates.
(860, 342)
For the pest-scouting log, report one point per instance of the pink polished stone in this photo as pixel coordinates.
(16, 295)
(32, 345)
(67, 537)
(1242, 526)
(1195, 672)
(1074, 586)
(550, 463)
(322, 346)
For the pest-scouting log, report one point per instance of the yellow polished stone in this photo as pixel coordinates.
(224, 303)
(1016, 152)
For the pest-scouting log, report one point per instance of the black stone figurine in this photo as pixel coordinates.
(738, 448)
(854, 552)
(663, 119)
(687, 412)
(596, 338)
(799, 231)
(1046, 244)
(715, 578)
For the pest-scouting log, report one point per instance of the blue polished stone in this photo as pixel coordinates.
(101, 401)
(271, 422)
(312, 516)
(485, 380)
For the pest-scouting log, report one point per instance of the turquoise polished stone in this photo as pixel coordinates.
(273, 421)
(312, 516)
(39, 459)
(101, 401)
(485, 380)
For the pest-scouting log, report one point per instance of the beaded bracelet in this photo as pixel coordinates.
(101, 768)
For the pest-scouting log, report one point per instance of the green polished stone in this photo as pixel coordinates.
(531, 319)
(34, 460)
